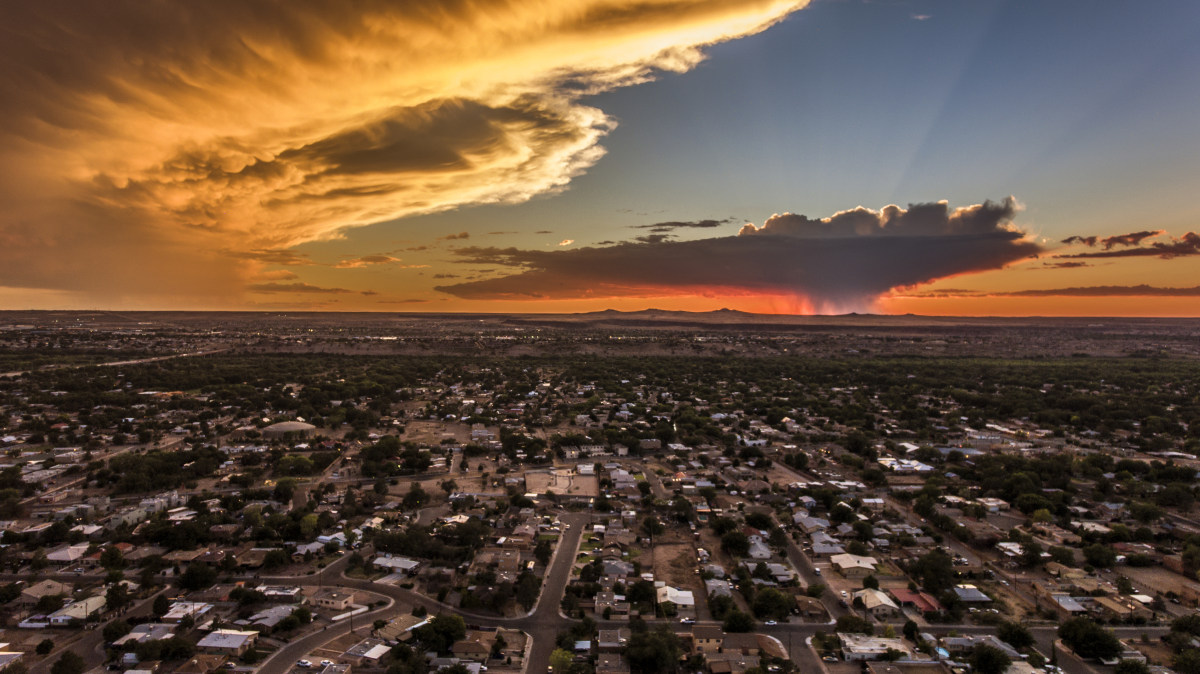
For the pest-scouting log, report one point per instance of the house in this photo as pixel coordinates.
(921, 601)
(335, 600)
(228, 642)
(68, 554)
(965, 644)
(708, 639)
(1121, 608)
(77, 611)
(46, 588)
(853, 566)
(969, 594)
(186, 609)
(471, 648)
(612, 641)
(878, 604)
(367, 652)
(146, 632)
(683, 600)
(397, 564)
(611, 663)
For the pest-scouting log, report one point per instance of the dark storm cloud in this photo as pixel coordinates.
(664, 227)
(1184, 246)
(846, 260)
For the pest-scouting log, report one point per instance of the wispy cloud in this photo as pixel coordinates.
(294, 288)
(365, 261)
(1184, 246)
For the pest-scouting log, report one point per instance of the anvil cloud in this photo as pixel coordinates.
(174, 142)
(837, 263)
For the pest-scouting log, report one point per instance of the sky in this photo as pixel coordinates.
(938, 157)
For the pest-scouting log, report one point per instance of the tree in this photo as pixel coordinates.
(854, 624)
(415, 497)
(870, 582)
(560, 660)
(1031, 553)
(735, 543)
(1133, 667)
(543, 551)
(652, 526)
(736, 621)
(197, 576)
(115, 630)
(1088, 639)
(912, 631)
(117, 597)
(161, 605)
(69, 663)
(1062, 554)
(987, 659)
(1187, 661)
(653, 651)
(1015, 634)
(440, 633)
(111, 558)
(44, 647)
(773, 604)
(935, 570)
(1100, 555)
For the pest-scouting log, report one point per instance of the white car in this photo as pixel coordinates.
(326, 663)
(304, 663)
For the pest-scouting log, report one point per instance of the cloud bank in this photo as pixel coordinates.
(181, 145)
(840, 263)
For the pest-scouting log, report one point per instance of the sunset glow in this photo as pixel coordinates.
(599, 154)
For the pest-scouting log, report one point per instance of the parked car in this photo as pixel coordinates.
(304, 663)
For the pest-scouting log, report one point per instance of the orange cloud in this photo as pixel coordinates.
(186, 139)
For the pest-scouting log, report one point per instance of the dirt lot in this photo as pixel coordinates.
(562, 481)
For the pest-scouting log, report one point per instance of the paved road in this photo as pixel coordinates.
(542, 624)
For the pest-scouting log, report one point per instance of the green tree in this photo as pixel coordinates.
(773, 604)
(653, 651)
(736, 621)
(115, 630)
(1133, 667)
(117, 597)
(70, 663)
(111, 558)
(735, 543)
(44, 647)
(1088, 639)
(161, 605)
(1100, 555)
(1187, 661)
(935, 570)
(197, 576)
(560, 660)
(987, 659)
(1015, 634)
